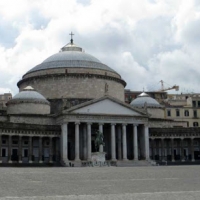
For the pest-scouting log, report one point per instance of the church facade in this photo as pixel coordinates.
(65, 100)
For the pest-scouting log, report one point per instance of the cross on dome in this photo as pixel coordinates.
(71, 37)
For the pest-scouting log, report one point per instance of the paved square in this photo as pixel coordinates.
(113, 183)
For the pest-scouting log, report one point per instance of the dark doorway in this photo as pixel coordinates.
(14, 156)
(25, 153)
(3, 153)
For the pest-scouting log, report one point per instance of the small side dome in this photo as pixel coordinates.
(144, 100)
(28, 101)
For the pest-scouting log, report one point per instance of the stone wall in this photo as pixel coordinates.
(156, 113)
(33, 119)
(28, 108)
(55, 87)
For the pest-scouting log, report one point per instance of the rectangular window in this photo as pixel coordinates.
(3, 141)
(25, 142)
(195, 113)
(177, 113)
(14, 142)
(194, 103)
(168, 113)
(198, 103)
(186, 113)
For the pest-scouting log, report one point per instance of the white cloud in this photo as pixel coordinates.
(145, 41)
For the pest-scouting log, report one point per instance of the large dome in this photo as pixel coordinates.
(145, 100)
(71, 56)
(74, 76)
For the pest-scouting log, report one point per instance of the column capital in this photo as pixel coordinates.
(77, 123)
(101, 123)
(135, 124)
(146, 125)
(64, 123)
(113, 124)
(89, 123)
(124, 124)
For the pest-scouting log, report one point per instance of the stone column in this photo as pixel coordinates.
(30, 149)
(0, 149)
(85, 141)
(101, 130)
(89, 147)
(40, 150)
(124, 145)
(64, 142)
(135, 142)
(146, 140)
(172, 149)
(162, 149)
(182, 150)
(192, 149)
(50, 150)
(113, 148)
(152, 149)
(9, 148)
(20, 149)
(119, 141)
(77, 153)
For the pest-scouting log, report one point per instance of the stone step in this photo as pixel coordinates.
(134, 163)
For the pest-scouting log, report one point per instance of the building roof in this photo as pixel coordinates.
(145, 100)
(71, 56)
(29, 94)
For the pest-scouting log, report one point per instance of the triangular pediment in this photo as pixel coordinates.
(105, 106)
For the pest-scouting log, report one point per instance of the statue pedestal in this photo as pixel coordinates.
(98, 157)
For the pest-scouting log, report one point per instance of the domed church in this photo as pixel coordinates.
(63, 102)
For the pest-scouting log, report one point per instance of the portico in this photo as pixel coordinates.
(125, 131)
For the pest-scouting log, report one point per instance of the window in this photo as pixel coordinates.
(194, 103)
(195, 124)
(198, 103)
(168, 113)
(195, 113)
(186, 113)
(25, 142)
(14, 142)
(3, 141)
(177, 112)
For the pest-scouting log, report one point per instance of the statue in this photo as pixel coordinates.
(106, 87)
(99, 143)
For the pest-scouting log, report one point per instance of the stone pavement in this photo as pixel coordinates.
(113, 183)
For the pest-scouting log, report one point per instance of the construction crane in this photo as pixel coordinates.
(176, 87)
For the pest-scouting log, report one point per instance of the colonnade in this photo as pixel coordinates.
(164, 149)
(7, 144)
(118, 135)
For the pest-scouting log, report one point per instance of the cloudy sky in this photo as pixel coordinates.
(144, 40)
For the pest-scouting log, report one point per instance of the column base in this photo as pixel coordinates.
(114, 160)
(20, 161)
(193, 160)
(124, 159)
(0, 161)
(10, 161)
(50, 161)
(40, 161)
(173, 160)
(182, 160)
(30, 161)
(77, 160)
